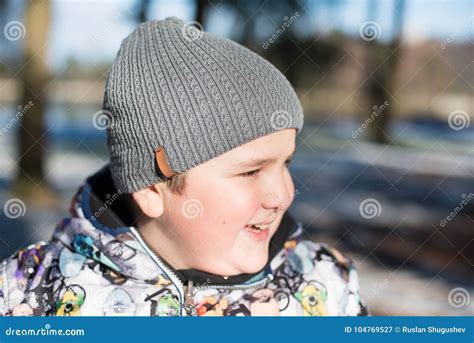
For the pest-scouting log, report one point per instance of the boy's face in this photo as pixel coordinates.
(222, 197)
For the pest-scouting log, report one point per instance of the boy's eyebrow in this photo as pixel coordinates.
(254, 162)
(257, 162)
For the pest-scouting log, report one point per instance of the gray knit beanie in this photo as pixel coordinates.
(177, 96)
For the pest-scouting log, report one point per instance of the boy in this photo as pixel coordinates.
(189, 217)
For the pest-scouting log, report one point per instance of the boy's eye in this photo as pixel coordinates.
(250, 173)
(256, 171)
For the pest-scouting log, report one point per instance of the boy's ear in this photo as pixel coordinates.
(150, 200)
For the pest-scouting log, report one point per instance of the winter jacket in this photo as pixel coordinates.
(96, 264)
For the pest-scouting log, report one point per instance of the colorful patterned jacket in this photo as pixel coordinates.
(95, 267)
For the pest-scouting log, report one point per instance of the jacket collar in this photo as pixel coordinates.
(100, 228)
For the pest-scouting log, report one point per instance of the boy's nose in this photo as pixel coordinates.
(278, 196)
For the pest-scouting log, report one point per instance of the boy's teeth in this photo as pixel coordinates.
(256, 227)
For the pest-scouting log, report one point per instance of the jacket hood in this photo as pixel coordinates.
(101, 227)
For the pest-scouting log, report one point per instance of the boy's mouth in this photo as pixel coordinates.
(256, 228)
(258, 233)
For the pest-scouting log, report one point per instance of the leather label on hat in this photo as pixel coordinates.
(160, 157)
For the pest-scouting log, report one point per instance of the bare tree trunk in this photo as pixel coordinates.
(34, 78)
(382, 66)
(142, 11)
(201, 6)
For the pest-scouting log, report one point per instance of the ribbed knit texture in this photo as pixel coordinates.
(195, 94)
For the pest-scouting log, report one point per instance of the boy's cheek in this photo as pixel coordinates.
(223, 205)
(232, 198)
(291, 191)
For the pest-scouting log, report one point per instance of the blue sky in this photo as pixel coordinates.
(92, 31)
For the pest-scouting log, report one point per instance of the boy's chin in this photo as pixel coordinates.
(246, 262)
(252, 263)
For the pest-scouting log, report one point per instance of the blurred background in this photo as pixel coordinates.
(384, 166)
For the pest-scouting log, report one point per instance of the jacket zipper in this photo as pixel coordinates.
(189, 307)
(6, 295)
(168, 271)
(187, 292)
(255, 284)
